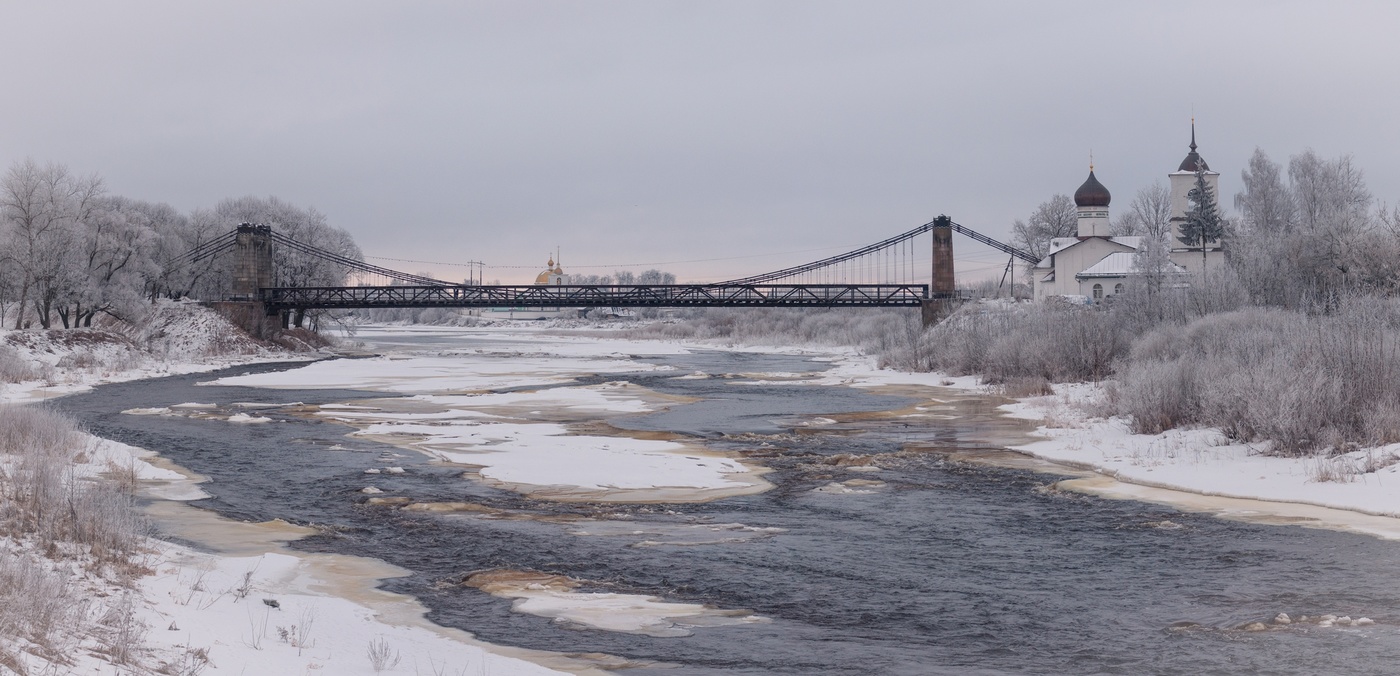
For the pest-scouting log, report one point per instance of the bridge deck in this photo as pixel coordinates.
(673, 295)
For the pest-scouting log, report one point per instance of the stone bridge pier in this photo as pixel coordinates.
(252, 261)
(942, 289)
(252, 271)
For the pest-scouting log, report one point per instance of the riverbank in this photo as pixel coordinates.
(1190, 469)
(176, 337)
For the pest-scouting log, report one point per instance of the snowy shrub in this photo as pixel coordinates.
(1009, 342)
(1301, 382)
(26, 430)
(14, 368)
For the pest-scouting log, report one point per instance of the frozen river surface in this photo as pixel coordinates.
(868, 555)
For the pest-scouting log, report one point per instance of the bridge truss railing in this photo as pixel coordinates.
(674, 295)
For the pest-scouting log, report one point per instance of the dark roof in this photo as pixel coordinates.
(1193, 158)
(1092, 193)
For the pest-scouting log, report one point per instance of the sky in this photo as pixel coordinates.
(711, 139)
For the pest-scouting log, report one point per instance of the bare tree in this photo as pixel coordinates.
(1149, 215)
(1055, 217)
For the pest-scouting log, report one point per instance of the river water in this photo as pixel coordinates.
(946, 568)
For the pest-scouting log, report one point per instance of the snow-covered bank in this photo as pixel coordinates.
(1202, 461)
(1193, 469)
(246, 604)
(175, 338)
(253, 606)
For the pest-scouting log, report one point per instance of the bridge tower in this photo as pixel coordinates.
(252, 261)
(941, 285)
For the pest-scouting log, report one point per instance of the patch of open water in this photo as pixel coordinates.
(945, 568)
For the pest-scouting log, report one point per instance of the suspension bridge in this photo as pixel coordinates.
(876, 275)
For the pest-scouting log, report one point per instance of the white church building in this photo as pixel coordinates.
(1097, 265)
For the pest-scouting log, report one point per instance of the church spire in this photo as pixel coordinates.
(1193, 159)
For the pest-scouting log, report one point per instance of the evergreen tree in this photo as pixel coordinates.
(1203, 222)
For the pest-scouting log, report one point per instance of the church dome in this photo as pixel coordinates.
(1092, 193)
(549, 270)
(1193, 158)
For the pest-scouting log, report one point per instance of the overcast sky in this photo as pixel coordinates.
(762, 133)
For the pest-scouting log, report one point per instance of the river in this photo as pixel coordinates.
(876, 551)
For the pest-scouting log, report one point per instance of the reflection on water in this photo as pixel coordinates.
(923, 566)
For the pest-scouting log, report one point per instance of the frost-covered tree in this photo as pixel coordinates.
(1266, 204)
(120, 242)
(656, 277)
(1055, 217)
(43, 210)
(1310, 240)
(292, 267)
(306, 225)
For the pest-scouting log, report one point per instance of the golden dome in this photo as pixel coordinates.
(549, 269)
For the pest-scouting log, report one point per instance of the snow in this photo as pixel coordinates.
(555, 597)
(443, 373)
(202, 602)
(544, 459)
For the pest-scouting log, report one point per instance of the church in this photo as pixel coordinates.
(1097, 265)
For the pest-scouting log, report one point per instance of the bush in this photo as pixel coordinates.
(1010, 342)
(1301, 382)
(14, 368)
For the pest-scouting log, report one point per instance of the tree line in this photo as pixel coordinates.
(1307, 233)
(70, 251)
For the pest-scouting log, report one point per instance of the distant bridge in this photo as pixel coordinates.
(877, 275)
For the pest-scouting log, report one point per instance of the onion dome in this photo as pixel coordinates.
(543, 277)
(1092, 193)
(1193, 159)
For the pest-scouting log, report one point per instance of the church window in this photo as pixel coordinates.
(1117, 288)
(1098, 292)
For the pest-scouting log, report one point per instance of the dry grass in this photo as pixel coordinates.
(56, 521)
(1025, 386)
(14, 368)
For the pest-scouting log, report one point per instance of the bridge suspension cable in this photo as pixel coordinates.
(886, 253)
(357, 265)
